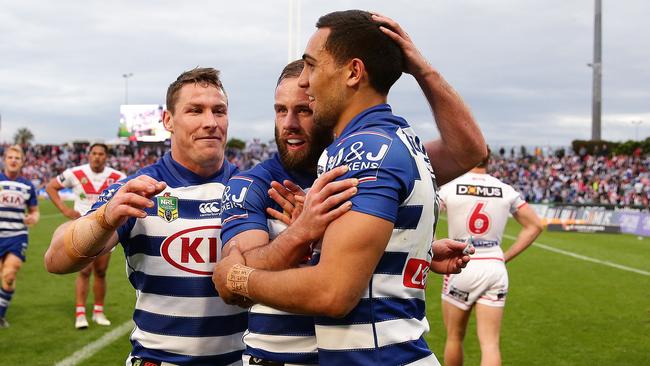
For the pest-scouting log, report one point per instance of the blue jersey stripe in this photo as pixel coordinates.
(179, 326)
(285, 324)
(377, 310)
(392, 263)
(5, 219)
(144, 244)
(408, 217)
(16, 229)
(223, 359)
(12, 209)
(173, 286)
(394, 354)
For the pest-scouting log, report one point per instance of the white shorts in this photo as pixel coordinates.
(483, 280)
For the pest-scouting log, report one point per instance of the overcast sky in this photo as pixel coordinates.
(521, 65)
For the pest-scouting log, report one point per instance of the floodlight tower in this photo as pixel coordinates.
(126, 86)
(596, 66)
(293, 49)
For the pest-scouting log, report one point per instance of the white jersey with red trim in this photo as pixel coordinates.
(478, 205)
(87, 185)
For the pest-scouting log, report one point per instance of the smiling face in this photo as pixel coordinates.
(299, 141)
(324, 81)
(199, 127)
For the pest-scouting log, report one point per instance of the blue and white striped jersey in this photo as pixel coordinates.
(396, 183)
(272, 334)
(170, 255)
(16, 195)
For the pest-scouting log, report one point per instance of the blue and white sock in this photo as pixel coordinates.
(5, 299)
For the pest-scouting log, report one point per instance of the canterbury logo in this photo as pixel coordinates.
(209, 208)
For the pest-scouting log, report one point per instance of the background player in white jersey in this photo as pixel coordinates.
(87, 182)
(478, 206)
(386, 237)
(167, 219)
(17, 195)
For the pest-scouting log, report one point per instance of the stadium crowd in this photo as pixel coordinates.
(543, 176)
(579, 178)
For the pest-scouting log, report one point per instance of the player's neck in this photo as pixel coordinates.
(97, 170)
(12, 175)
(479, 170)
(359, 103)
(201, 168)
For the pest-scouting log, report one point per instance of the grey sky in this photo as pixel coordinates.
(520, 65)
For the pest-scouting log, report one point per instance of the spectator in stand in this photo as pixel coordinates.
(554, 176)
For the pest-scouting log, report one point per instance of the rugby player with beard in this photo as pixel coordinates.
(251, 218)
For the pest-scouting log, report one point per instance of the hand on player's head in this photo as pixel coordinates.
(414, 62)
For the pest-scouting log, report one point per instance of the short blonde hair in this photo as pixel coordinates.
(15, 148)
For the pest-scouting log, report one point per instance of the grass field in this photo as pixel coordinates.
(561, 310)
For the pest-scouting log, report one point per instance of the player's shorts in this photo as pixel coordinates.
(15, 244)
(483, 280)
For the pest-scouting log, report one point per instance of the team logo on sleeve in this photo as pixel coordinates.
(167, 207)
(61, 178)
(234, 195)
(233, 200)
(479, 191)
(362, 152)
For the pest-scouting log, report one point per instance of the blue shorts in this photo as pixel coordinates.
(15, 244)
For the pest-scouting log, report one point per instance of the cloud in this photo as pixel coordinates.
(521, 66)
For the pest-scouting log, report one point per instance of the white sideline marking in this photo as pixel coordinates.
(584, 258)
(91, 348)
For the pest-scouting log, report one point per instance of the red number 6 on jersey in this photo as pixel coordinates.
(479, 222)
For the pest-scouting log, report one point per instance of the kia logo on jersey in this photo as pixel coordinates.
(415, 273)
(193, 250)
(12, 199)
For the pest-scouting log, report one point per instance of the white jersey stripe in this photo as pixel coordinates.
(184, 306)
(192, 346)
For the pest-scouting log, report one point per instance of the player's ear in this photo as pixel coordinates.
(168, 121)
(356, 70)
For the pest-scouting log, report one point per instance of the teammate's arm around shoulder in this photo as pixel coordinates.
(77, 243)
(531, 228)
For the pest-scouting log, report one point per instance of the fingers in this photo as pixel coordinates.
(280, 197)
(339, 211)
(390, 25)
(144, 186)
(333, 188)
(278, 216)
(328, 177)
(336, 199)
(133, 198)
(293, 188)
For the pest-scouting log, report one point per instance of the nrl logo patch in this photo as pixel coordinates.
(167, 207)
